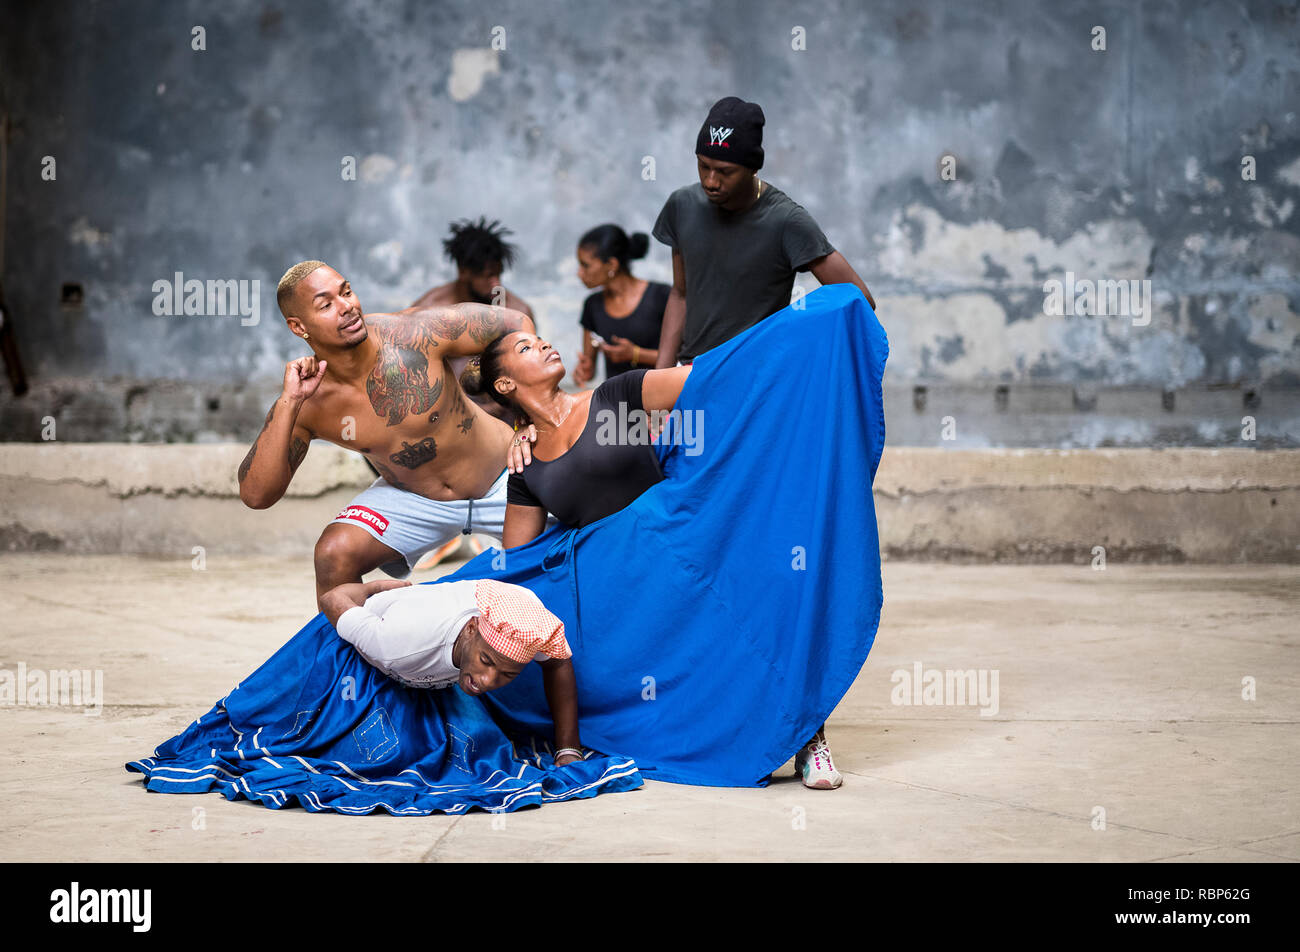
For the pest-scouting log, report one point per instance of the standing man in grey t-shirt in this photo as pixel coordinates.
(737, 241)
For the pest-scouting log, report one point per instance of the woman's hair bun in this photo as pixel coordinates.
(471, 378)
(638, 245)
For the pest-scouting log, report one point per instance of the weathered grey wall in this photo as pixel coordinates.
(226, 163)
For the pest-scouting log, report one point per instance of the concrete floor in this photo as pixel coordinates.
(1119, 689)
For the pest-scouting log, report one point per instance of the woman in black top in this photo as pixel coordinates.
(627, 314)
(587, 462)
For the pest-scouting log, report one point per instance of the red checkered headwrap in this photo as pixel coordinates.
(516, 623)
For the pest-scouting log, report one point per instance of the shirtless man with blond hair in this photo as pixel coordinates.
(381, 385)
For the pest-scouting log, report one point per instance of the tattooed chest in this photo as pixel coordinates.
(400, 385)
(399, 462)
(424, 411)
(408, 448)
(418, 442)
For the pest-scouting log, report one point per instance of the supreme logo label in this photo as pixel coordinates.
(368, 516)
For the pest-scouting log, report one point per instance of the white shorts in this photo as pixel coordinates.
(412, 525)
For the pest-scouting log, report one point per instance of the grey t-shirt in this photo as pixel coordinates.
(740, 266)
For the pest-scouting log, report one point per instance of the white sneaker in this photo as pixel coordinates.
(814, 763)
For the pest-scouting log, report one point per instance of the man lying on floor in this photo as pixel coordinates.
(476, 633)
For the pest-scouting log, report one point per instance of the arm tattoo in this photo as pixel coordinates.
(485, 322)
(448, 324)
(297, 450)
(415, 332)
(247, 464)
(426, 328)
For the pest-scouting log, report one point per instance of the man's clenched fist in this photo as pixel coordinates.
(302, 377)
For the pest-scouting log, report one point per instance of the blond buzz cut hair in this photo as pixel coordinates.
(284, 290)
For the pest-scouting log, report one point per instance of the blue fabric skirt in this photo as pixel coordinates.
(715, 622)
(318, 726)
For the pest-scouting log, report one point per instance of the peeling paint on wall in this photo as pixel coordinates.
(1122, 165)
(469, 68)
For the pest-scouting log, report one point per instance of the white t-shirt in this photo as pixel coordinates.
(408, 633)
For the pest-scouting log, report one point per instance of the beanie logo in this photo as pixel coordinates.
(718, 136)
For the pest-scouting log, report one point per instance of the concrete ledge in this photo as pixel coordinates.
(1183, 505)
(131, 469)
(905, 470)
(163, 500)
(1186, 505)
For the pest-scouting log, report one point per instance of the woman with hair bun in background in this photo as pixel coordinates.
(624, 318)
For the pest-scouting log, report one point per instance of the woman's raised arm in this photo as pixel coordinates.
(661, 388)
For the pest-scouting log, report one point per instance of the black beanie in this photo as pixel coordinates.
(733, 133)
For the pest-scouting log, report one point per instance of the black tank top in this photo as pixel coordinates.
(611, 463)
(642, 327)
